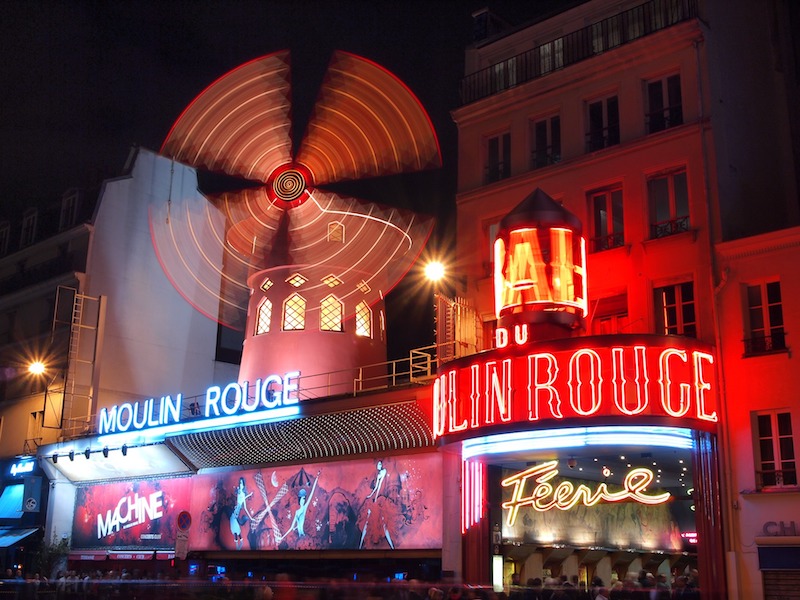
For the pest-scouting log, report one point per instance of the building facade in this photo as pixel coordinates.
(637, 118)
(632, 405)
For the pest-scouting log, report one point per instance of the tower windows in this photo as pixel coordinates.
(294, 313)
(363, 319)
(336, 232)
(331, 311)
(263, 317)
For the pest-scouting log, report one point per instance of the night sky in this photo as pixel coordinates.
(81, 82)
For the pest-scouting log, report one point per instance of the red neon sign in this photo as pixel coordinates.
(580, 378)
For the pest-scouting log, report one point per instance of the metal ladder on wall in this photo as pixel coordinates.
(77, 317)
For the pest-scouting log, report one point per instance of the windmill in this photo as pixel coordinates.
(303, 269)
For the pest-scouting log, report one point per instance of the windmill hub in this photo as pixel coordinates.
(290, 183)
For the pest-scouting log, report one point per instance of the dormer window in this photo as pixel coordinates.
(29, 220)
(69, 209)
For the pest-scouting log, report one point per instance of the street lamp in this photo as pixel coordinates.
(36, 368)
(434, 271)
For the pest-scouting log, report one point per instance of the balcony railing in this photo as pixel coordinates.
(671, 227)
(670, 116)
(777, 478)
(545, 157)
(418, 368)
(602, 138)
(497, 171)
(765, 344)
(607, 242)
(577, 46)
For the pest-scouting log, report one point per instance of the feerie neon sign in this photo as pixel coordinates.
(580, 378)
(545, 496)
(269, 394)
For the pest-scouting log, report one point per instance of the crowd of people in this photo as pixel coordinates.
(641, 586)
(122, 585)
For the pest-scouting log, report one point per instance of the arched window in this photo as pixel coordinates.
(294, 313)
(363, 320)
(330, 314)
(264, 316)
(336, 232)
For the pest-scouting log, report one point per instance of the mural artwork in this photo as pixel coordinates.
(384, 504)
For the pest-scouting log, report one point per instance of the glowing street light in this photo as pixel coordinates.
(36, 368)
(434, 271)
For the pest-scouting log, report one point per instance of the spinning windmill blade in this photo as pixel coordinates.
(366, 123)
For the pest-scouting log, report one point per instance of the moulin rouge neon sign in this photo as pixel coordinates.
(579, 378)
(544, 496)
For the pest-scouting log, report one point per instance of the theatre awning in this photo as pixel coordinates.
(88, 555)
(131, 555)
(11, 501)
(9, 537)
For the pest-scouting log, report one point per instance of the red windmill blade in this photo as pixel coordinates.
(366, 123)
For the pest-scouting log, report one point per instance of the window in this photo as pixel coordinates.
(610, 315)
(264, 316)
(364, 320)
(605, 34)
(775, 458)
(5, 235)
(294, 313)
(551, 56)
(336, 232)
(546, 142)
(498, 158)
(668, 196)
(603, 120)
(607, 223)
(664, 107)
(28, 227)
(69, 209)
(764, 319)
(330, 317)
(504, 74)
(675, 314)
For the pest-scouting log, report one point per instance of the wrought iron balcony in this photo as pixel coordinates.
(671, 227)
(620, 29)
(776, 478)
(607, 242)
(765, 344)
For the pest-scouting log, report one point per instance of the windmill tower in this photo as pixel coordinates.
(310, 266)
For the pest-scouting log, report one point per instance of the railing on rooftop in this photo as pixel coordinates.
(574, 47)
(418, 368)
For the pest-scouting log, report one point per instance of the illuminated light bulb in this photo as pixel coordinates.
(434, 271)
(36, 368)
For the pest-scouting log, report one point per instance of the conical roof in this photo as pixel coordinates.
(538, 210)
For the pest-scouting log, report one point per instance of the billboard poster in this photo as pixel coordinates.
(138, 514)
(382, 504)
